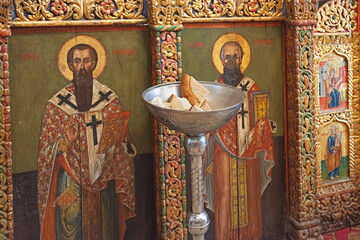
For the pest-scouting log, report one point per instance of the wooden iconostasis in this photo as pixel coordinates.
(93, 164)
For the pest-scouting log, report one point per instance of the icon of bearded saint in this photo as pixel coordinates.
(85, 162)
(240, 155)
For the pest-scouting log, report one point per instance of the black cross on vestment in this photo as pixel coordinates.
(93, 124)
(244, 86)
(66, 100)
(104, 97)
(243, 112)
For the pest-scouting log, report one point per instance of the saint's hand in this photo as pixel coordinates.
(63, 145)
(71, 130)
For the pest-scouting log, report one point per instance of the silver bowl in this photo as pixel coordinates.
(224, 101)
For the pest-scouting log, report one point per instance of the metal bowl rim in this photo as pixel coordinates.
(191, 112)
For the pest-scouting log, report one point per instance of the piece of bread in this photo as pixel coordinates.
(195, 108)
(193, 90)
(166, 104)
(205, 106)
(157, 101)
(179, 103)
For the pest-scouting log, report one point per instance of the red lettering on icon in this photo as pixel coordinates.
(264, 42)
(123, 51)
(29, 57)
(195, 44)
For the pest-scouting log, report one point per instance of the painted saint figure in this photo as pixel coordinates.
(331, 89)
(333, 153)
(239, 158)
(85, 162)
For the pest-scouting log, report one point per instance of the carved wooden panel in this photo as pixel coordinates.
(6, 188)
(169, 149)
(336, 76)
(335, 22)
(301, 10)
(303, 219)
(339, 195)
(231, 8)
(337, 17)
(5, 14)
(60, 10)
(166, 12)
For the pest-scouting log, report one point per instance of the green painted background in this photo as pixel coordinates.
(343, 169)
(265, 68)
(32, 84)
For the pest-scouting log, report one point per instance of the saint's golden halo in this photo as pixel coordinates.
(81, 39)
(332, 66)
(230, 37)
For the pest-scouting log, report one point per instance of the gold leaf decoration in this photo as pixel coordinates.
(260, 8)
(166, 12)
(5, 15)
(209, 8)
(337, 17)
(59, 10)
(301, 9)
(228, 8)
(113, 9)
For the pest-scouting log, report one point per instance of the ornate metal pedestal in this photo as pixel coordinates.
(225, 102)
(197, 220)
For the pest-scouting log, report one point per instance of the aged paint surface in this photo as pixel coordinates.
(262, 67)
(85, 161)
(265, 66)
(36, 79)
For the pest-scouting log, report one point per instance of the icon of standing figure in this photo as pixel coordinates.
(86, 177)
(233, 188)
(334, 152)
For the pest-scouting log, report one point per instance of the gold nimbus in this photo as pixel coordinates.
(230, 37)
(81, 39)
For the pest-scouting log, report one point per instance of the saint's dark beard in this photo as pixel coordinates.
(83, 84)
(233, 76)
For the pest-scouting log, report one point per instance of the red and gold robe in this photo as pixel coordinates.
(248, 179)
(114, 164)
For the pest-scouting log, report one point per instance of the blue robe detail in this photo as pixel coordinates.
(335, 96)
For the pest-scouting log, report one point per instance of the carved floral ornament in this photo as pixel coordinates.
(336, 209)
(308, 181)
(338, 199)
(173, 175)
(6, 196)
(164, 12)
(5, 14)
(172, 152)
(57, 10)
(242, 8)
(337, 17)
(301, 9)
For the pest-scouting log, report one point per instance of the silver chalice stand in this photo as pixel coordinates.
(225, 102)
